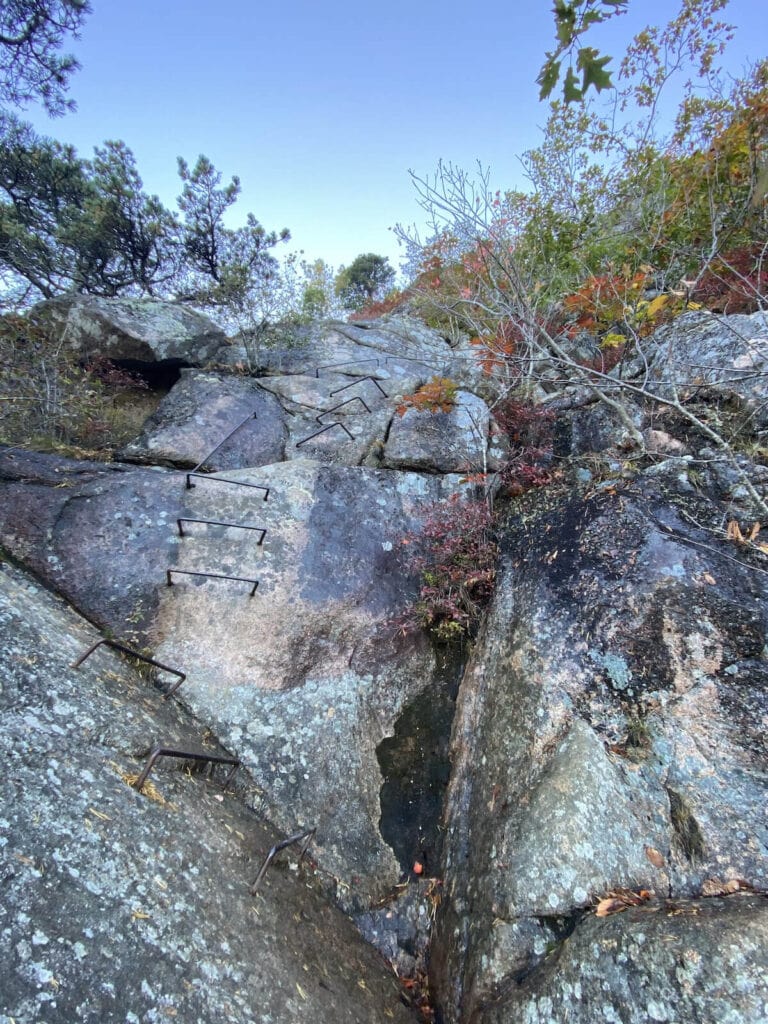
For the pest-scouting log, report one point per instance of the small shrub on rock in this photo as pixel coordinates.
(455, 555)
(439, 395)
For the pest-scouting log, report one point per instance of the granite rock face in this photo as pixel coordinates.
(126, 907)
(145, 330)
(444, 442)
(680, 960)
(609, 734)
(394, 348)
(305, 678)
(101, 534)
(726, 353)
(333, 399)
(200, 411)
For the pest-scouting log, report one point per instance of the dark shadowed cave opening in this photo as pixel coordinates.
(158, 376)
(416, 768)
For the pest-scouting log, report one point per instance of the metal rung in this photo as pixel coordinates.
(225, 480)
(211, 575)
(360, 381)
(277, 848)
(187, 755)
(218, 522)
(345, 362)
(322, 430)
(335, 407)
(134, 654)
(248, 418)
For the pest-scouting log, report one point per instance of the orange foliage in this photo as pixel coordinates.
(439, 395)
(389, 304)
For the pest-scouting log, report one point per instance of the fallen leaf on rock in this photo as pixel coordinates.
(610, 906)
(619, 899)
(715, 887)
(655, 857)
(733, 532)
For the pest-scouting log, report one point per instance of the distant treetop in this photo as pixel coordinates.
(366, 278)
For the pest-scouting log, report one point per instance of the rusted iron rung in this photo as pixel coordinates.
(277, 848)
(344, 362)
(218, 522)
(328, 426)
(211, 575)
(360, 381)
(134, 654)
(335, 407)
(224, 480)
(187, 755)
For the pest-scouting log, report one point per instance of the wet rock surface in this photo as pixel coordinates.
(120, 907)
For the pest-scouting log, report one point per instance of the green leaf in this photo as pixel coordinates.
(548, 76)
(592, 18)
(565, 21)
(571, 91)
(593, 68)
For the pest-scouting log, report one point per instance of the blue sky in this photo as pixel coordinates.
(321, 109)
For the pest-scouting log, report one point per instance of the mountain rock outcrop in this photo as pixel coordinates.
(143, 330)
(601, 742)
(120, 906)
(615, 704)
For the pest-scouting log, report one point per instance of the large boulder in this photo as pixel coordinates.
(296, 416)
(609, 734)
(200, 411)
(307, 678)
(143, 330)
(120, 906)
(702, 350)
(441, 442)
(393, 348)
(677, 960)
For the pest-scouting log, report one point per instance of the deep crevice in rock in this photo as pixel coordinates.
(416, 768)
